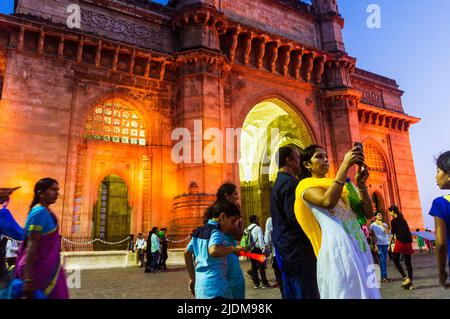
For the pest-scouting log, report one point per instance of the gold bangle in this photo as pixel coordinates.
(339, 183)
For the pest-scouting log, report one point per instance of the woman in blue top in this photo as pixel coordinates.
(440, 210)
(208, 280)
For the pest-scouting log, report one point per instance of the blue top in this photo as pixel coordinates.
(155, 243)
(210, 272)
(40, 220)
(292, 245)
(9, 227)
(235, 277)
(441, 209)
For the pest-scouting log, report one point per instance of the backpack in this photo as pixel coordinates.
(246, 240)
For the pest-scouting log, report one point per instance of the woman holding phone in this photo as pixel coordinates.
(330, 211)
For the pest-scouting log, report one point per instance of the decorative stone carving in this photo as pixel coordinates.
(274, 57)
(298, 62)
(248, 48)
(234, 43)
(287, 59)
(310, 65)
(126, 31)
(261, 51)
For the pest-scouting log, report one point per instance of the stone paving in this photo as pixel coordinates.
(134, 283)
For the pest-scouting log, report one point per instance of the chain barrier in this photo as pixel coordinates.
(96, 239)
(178, 241)
(120, 242)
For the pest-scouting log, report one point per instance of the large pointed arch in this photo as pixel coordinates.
(270, 124)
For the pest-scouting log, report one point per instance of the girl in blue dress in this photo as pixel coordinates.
(440, 210)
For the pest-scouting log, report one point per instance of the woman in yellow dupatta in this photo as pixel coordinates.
(345, 268)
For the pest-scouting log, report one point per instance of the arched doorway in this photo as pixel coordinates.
(269, 125)
(112, 213)
(380, 206)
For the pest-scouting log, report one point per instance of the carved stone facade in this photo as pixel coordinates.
(193, 60)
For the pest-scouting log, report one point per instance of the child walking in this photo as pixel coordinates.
(208, 279)
(440, 210)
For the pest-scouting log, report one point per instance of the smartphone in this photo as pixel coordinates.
(360, 145)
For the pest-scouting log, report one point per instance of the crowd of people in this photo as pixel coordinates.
(152, 252)
(319, 234)
(314, 237)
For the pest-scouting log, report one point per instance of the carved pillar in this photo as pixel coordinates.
(116, 58)
(78, 196)
(309, 65)
(61, 48)
(80, 50)
(147, 66)
(163, 69)
(248, 48)
(40, 49)
(234, 44)
(21, 37)
(261, 51)
(98, 53)
(320, 68)
(298, 62)
(274, 57)
(287, 60)
(132, 61)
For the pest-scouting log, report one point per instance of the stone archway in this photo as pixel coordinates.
(268, 126)
(114, 141)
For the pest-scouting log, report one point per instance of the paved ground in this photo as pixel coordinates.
(134, 283)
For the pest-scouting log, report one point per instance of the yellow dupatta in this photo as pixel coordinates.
(305, 216)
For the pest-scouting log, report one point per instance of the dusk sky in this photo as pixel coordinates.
(413, 47)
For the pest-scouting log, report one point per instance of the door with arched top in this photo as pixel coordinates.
(112, 213)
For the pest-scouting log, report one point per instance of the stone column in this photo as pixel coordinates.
(199, 118)
(98, 54)
(341, 106)
(61, 48)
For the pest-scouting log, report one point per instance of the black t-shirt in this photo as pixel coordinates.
(292, 246)
(400, 228)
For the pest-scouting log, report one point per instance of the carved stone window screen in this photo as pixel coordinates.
(374, 158)
(115, 122)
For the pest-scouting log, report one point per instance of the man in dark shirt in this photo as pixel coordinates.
(294, 252)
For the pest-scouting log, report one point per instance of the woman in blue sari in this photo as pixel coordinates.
(38, 259)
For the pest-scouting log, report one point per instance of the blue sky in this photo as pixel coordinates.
(412, 46)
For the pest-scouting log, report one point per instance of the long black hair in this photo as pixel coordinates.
(224, 189)
(305, 156)
(226, 207)
(443, 162)
(397, 211)
(41, 186)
